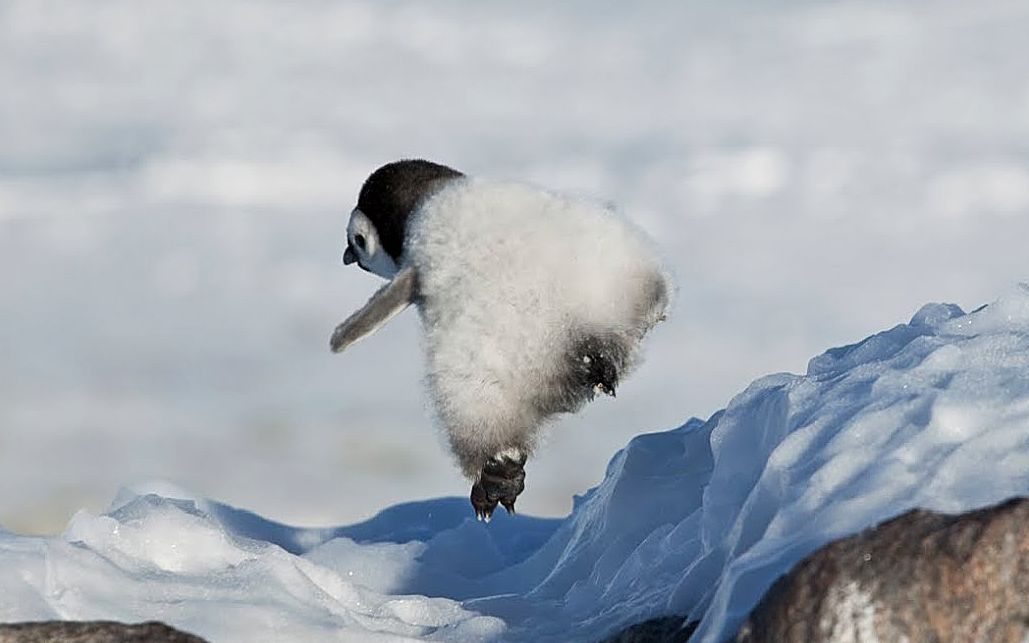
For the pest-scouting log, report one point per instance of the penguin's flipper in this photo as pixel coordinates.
(384, 305)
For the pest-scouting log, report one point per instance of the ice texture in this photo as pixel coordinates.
(697, 521)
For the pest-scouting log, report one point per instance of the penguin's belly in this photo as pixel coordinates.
(489, 360)
(510, 280)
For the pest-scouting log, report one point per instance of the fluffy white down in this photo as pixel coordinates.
(508, 275)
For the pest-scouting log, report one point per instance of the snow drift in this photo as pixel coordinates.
(696, 521)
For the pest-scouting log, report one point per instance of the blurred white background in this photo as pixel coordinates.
(175, 178)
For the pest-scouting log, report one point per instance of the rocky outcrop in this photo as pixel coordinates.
(922, 576)
(93, 632)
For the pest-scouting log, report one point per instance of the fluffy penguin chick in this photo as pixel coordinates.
(531, 303)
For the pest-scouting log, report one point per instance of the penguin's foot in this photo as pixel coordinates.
(596, 364)
(501, 480)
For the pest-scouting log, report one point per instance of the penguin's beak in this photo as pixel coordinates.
(349, 256)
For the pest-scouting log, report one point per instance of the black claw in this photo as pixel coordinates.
(482, 503)
(597, 361)
(500, 481)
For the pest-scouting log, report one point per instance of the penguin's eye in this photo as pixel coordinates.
(359, 240)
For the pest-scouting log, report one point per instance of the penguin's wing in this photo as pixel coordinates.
(384, 305)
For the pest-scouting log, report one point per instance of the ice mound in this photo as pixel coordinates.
(168, 559)
(696, 521)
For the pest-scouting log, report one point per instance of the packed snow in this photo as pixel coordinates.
(176, 175)
(697, 521)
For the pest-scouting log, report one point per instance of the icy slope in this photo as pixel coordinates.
(699, 520)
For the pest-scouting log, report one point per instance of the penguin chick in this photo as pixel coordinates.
(531, 303)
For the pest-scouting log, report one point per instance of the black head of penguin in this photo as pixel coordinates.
(394, 191)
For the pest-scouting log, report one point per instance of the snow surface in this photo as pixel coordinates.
(699, 520)
(176, 176)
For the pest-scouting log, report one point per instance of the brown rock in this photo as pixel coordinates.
(920, 577)
(93, 632)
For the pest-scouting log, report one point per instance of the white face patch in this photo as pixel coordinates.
(364, 242)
